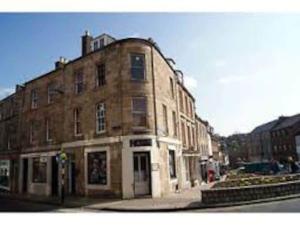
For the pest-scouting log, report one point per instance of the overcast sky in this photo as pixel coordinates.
(243, 69)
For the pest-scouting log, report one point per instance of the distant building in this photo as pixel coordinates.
(285, 138)
(238, 148)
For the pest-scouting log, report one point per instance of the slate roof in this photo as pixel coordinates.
(264, 127)
(287, 122)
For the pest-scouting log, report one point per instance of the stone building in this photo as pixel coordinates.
(122, 115)
(276, 139)
(285, 138)
(10, 140)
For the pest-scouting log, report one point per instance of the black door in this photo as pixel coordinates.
(54, 176)
(25, 175)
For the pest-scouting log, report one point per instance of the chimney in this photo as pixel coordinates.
(60, 63)
(86, 40)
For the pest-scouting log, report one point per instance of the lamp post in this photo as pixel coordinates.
(62, 160)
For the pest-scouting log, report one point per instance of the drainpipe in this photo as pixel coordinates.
(154, 94)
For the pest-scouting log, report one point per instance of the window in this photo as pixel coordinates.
(95, 45)
(172, 87)
(100, 79)
(183, 133)
(165, 118)
(191, 109)
(101, 42)
(79, 82)
(189, 135)
(48, 130)
(172, 167)
(186, 106)
(51, 92)
(181, 100)
(138, 67)
(97, 168)
(187, 169)
(39, 170)
(139, 111)
(100, 118)
(4, 173)
(32, 132)
(174, 124)
(34, 99)
(77, 122)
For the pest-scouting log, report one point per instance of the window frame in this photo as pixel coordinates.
(77, 120)
(165, 119)
(135, 67)
(89, 150)
(34, 171)
(103, 83)
(173, 166)
(134, 112)
(33, 99)
(50, 93)
(48, 130)
(78, 82)
(99, 117)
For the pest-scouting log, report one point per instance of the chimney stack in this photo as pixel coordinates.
(60, 63)
(86, 43)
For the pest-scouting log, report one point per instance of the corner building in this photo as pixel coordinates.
(122, 115)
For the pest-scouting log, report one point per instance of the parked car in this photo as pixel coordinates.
(261, 168)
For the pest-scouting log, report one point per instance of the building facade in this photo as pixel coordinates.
(122, 115)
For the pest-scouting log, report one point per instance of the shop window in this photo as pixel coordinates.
(172, 167)
(39, 170)
(97, 168)
(4, 174)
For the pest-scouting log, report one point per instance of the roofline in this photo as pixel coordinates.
(120, 41)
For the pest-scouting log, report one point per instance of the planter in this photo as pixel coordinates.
(249, 193)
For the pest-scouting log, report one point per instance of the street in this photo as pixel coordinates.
(291, 205)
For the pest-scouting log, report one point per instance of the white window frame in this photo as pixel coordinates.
(31, 132)
(76, 121)
(139, 112)
(97, 186)
(48, 139)
(100, 107)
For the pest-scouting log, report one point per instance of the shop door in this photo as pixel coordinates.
(141, 174)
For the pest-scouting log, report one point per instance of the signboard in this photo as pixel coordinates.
(140, 142)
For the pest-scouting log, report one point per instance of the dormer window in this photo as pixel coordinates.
(101, 42)
(95, 45)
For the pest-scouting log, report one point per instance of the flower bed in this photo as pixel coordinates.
(250, 189)
(256, 180)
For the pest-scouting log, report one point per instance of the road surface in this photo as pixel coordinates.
(10, 205)
(291, 205)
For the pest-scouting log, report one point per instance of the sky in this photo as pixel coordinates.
(242, 68)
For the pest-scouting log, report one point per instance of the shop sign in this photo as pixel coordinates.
(140, 142)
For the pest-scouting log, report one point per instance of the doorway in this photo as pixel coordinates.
(54, 172)
(72, 178)
(141, 167)
(25, 176)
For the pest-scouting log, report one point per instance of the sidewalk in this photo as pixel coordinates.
(186, 199)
